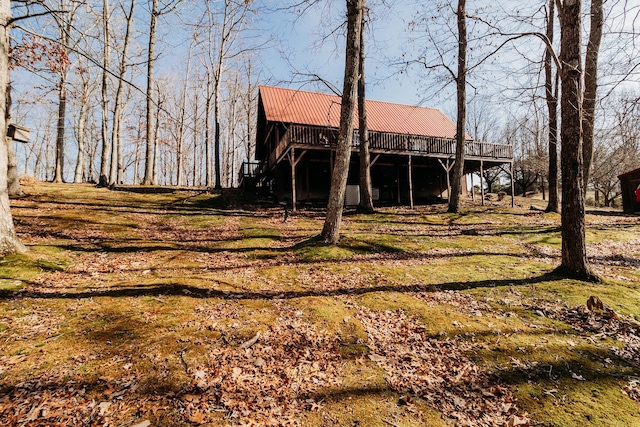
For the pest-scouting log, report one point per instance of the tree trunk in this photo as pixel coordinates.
(9, 242)
(207, 138)
(151, 142)
(461, 83)
(82, 120)
(105, 157)
(574, 253)
(13, 182)
(591, 85)
(552, 107)
(62, 111)
(118, 105)
(331, 229)
(181, 123)
(216, 120)
(366, 198)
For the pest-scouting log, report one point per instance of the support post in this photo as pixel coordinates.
(292, 162)
(481, 184)
(398, 181)
(513, 187)
(473, 193)
(410, 183)
(307, 173)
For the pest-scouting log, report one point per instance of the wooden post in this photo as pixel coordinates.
(481, 184)
(410, 183)
(398, 181)
(513, 187)
(473, 193)
(292, 162)
(307, 173)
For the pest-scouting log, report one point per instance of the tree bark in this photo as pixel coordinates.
(106, 169)
(574, 253)
(149, 178)
(82, 119)
(119, 104)
(461, 83)
(216, 119)
(9, 242)
(13, 182)
(331, 229)
(366, 198)
(207, 136)
(60, 130)
(551, 93)
(591, 85)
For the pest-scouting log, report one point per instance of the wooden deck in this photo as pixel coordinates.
(382, 142)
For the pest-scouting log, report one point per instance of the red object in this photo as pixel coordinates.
(318, 109)
(638, 194)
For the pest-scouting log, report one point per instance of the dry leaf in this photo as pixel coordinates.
(104, 407)
(577, 377)
(376, 358)
(236, 373)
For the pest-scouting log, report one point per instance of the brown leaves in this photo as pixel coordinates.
(272, 377)
(436, 370)
(35, 52)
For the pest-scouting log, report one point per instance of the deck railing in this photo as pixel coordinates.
(401, 143)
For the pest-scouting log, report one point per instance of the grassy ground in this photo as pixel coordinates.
(180, 308)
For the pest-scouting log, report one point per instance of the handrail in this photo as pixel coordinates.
(328, 137)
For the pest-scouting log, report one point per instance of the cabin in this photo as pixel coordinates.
(412, 150)
(629, 184)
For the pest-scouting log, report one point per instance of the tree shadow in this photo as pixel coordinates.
(179, 289)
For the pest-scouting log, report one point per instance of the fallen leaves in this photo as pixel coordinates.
(436, 370)
(274, 378)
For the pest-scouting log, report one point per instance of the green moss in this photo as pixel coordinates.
(335, 318)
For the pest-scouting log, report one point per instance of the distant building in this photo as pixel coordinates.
(630, 186)
(412, 149)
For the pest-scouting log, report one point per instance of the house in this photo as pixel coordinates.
(412, 149)
(630, 184)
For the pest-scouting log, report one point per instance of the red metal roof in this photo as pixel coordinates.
(630, 173)
(318, 109)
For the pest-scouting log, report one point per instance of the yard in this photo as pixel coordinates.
(177, 309)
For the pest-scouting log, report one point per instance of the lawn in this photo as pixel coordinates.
(179, 309)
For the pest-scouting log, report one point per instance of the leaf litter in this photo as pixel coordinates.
(437, 370)
(280, 371)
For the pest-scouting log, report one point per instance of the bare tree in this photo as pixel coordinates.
(150, 159)
(116, 174)
(591, 85)
(233, 20)
(84, 110)
(107, 147)
(9, 242)
(13, 182)
(331, 229)
(574, 254)
(551, 96)
(366, 198)
(64, 21)
(461, 115)
(156, 9)
(616, 148)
